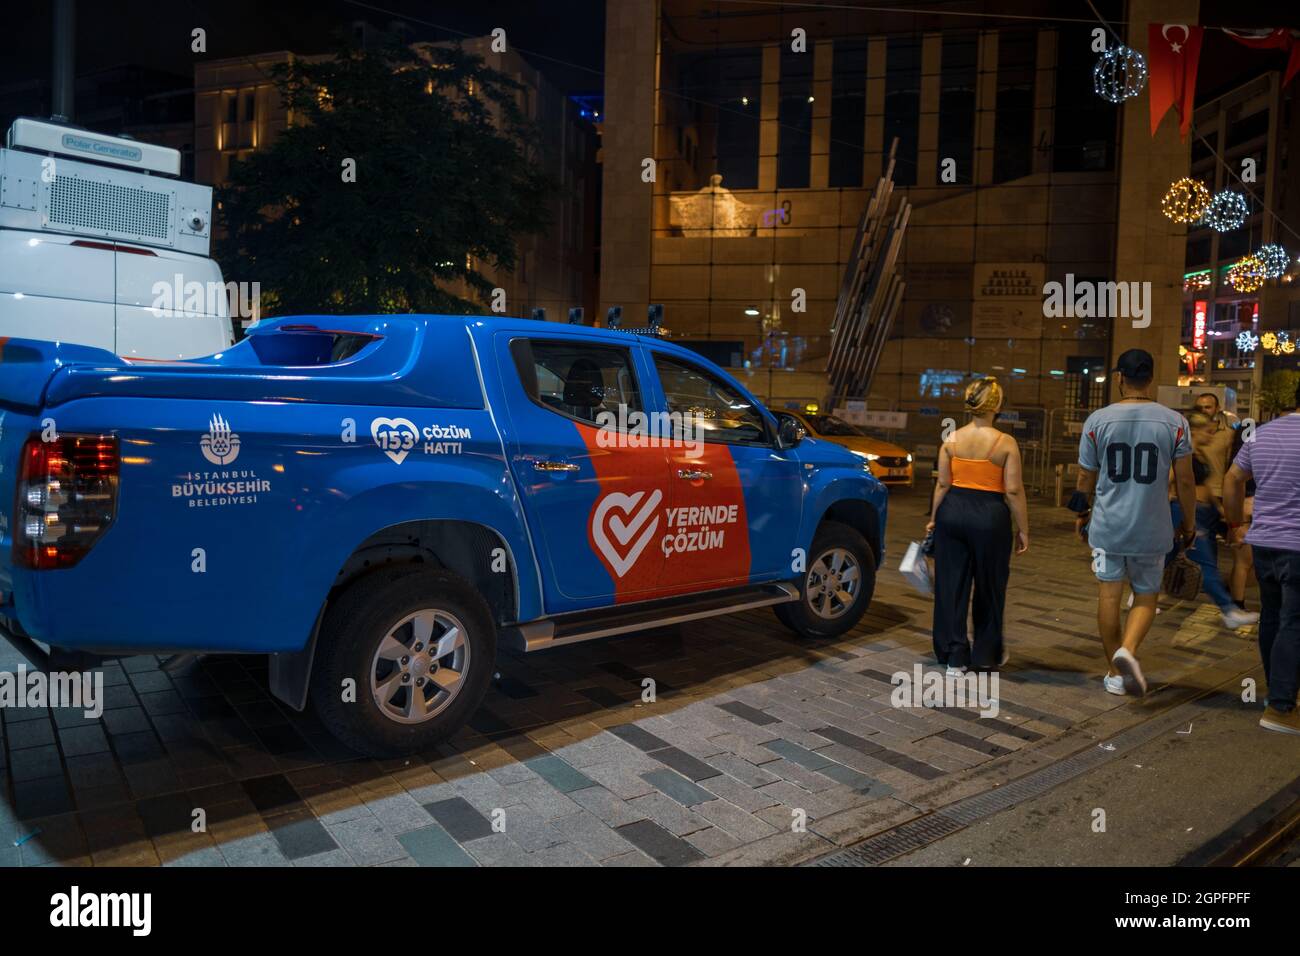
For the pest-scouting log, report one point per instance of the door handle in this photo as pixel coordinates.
(694, 475)
(540, 465)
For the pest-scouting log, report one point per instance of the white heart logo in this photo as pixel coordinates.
(625, 528)
(395, 437)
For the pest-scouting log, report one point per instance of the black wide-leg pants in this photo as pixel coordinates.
(972, 552)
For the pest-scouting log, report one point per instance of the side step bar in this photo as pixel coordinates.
(588, 625)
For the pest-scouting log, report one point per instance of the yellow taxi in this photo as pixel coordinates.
(888, 462)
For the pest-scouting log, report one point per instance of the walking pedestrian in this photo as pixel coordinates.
(1205, 550)
(980, 491)
(1272, 459)
(1125, 454)
(1243, 560)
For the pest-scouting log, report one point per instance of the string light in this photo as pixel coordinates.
(1247, 274)
(1274, 258)
(1120, 74)
(1227, 211)
(1186, 201)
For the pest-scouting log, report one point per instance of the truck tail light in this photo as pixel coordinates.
(67, 498)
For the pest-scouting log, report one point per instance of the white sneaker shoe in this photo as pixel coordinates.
(1114, 685)
(1130, 672)
(955, 671)
(1235, 617)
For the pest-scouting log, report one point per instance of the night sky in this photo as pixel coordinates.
(157, 34)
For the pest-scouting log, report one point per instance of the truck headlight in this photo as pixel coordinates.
(865, 454)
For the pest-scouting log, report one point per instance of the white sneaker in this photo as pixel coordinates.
(1114, 685)
(1235, 617)
(954, 671)
(1130, 671)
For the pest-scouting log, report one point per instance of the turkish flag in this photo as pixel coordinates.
(1280, 39)
(1173, 50)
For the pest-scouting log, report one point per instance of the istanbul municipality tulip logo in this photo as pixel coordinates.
(220, 445)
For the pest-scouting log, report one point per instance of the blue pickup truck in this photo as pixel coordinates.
(377, 502)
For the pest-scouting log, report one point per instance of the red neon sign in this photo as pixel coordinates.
(1198, 324)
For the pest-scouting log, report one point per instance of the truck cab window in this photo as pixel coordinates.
(711, 409)
(583, 381)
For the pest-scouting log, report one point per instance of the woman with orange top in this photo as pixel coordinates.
(979, 492)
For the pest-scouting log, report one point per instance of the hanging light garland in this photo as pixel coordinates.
(1247, 274)
(1274, 258)
(1227, 211)
(1186, 201)
(1120, 74)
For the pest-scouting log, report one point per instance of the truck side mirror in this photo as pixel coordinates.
(790, 431)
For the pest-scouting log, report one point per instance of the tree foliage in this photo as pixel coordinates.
(447, 178)
(1277, 392)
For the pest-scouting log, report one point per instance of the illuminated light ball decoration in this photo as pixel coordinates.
(1278, 343)
(1120, 74)
(1187, 200)
(1227, 211)
(1247, 274)
(1247, 341)
(1274, 259)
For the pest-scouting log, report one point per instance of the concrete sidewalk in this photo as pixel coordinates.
(750, 732)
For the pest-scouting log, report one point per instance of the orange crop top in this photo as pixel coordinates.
(978, 474)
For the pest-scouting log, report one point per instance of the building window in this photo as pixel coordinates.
(957, 102)
(250, 106)
(902, 105)
(848, 112)
(1083, 137)
(232, 108)
(1013, 141)
(722, 95)
(794, 115)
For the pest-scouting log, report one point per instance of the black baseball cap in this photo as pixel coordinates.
(1136, 365)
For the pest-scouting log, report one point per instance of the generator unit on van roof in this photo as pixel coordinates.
(58, 178)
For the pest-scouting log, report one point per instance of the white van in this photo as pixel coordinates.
(95, 234)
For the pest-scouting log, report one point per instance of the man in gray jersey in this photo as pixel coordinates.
(1125, 454)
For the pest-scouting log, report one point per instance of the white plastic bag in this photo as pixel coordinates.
(916, 569)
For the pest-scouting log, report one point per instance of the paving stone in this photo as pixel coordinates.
(366, 841)
(562, 854)
(559, 774)
(634, 858)
(434, 846)
(607, 806)
(712, 841)
(668, 813)
(399, 812)
(459, 818)
(499, 850)
(735, 821)
(659, 844)
(258, 850)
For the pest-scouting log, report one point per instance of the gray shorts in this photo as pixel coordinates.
(1145, 572)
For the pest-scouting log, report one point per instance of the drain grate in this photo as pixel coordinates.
(944, 822)
(902, 839)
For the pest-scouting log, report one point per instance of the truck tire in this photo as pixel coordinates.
(840, 563)
(419, 646)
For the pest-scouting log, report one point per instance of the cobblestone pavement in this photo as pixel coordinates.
(751, 730)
